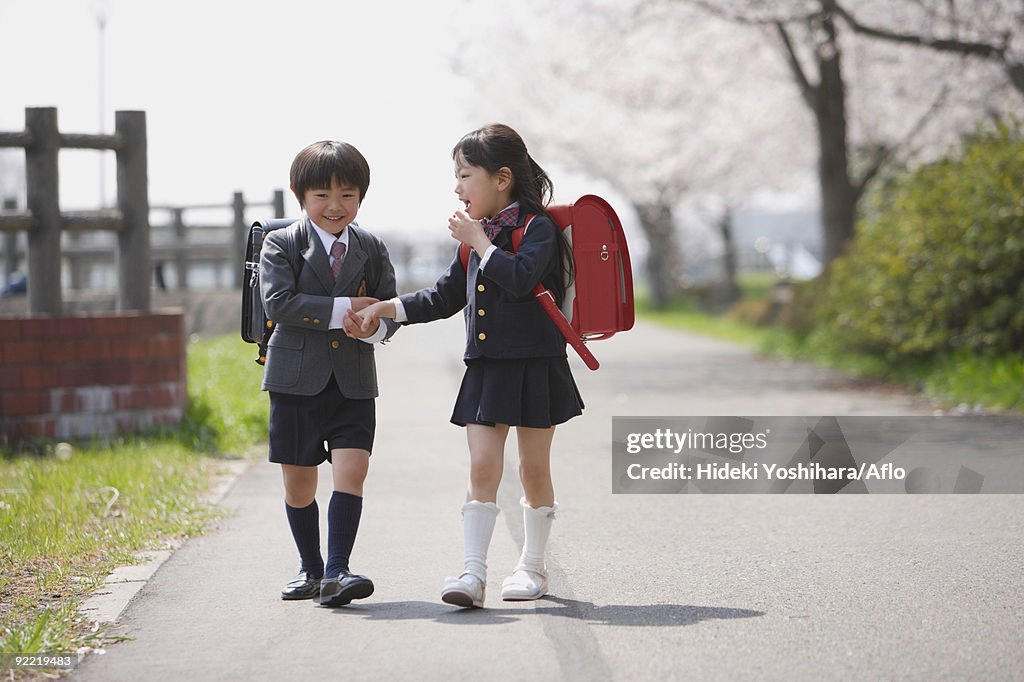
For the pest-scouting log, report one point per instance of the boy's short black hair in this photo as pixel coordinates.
(321, 162)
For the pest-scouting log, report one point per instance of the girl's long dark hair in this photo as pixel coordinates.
(496, 145)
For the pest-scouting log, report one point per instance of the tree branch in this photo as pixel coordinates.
(885, 154)
(996, 53)
(806, 89)
(964, 47)
(739, 17)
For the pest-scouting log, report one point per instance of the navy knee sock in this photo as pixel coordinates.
(342, 524)
(305, 525)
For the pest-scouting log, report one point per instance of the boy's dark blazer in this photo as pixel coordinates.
(503, 319)
(302, 352)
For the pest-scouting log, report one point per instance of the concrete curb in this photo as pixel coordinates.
(109, 601)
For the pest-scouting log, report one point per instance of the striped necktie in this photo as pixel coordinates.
(338, 252)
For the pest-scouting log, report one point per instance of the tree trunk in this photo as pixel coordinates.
(730, 288)
(838, 196)
(664, 257)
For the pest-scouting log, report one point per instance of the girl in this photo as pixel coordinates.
(516, 368)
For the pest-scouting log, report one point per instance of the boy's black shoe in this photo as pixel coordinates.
(343, 589)
(303, 586)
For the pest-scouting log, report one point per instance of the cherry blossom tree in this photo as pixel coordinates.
(660, 110)
(874, 104)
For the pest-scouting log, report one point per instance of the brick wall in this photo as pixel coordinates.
(85, 376)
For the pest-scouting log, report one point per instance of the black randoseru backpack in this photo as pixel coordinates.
(256, 328)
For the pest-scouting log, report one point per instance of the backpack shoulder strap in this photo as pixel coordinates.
(520, 232)
(372, 246)
(297, 243)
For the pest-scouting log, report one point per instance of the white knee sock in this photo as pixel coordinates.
(536, 529)
(477, 527)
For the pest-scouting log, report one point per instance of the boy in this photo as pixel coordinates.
(322, 382)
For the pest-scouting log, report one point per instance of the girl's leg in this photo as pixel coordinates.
(529, 579)
(304, 521)
(486, 457)
(535, 465)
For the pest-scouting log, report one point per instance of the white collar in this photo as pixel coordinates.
(327, 239)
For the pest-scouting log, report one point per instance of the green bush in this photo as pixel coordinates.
(939, 266)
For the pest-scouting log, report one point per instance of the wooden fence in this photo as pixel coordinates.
(42, 140)
(177, 243)
(182, 248)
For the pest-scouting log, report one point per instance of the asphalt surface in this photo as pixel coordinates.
(644, 587)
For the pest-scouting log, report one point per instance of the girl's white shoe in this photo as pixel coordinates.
(467, 591)
(524, 585)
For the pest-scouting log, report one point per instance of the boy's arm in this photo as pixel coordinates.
(281, 300)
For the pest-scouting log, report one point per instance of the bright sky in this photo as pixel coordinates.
(233, 90)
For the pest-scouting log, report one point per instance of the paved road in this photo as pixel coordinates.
(646, 587)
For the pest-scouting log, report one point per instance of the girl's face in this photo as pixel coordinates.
(332, 208)
(483, 193)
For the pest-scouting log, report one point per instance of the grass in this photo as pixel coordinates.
(994, 383)
(978, 380)
(684, 312)
(227, 410)
(66, 522)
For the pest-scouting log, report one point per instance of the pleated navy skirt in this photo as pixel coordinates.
(534, 392)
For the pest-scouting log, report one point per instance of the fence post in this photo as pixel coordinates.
(10, 244)
(42, 180)
(279, 203)
(180, 240)
(134, 262)
(238, 241)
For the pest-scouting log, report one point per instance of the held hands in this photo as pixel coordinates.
(468, 231)
(352, 323)
(364, 321)
(360, 302)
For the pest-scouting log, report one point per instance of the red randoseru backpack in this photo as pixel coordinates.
(599, 301)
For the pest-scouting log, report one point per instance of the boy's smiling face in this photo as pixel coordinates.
(332, 208)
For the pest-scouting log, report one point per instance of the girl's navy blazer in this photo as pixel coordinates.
(502, 318)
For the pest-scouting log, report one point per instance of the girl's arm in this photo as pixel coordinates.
(444, 299)
(364, 322)
(441, 301)
(519, 272)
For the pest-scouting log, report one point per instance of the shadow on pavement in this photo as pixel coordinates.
(656, 615)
